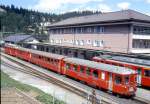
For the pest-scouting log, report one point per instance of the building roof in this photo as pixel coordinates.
(17, 38)
(100, 66)
(104, 17)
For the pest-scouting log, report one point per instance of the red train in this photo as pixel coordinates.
(117, 79)
(143, 71)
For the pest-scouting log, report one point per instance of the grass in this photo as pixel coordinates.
(7, 82)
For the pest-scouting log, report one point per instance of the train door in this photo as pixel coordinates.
(110, 85)
(139, 75)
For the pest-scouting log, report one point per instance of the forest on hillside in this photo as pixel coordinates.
(20, 20)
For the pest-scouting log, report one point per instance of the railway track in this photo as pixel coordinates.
(105, 98)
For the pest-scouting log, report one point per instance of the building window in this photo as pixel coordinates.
(89, 42)
(88, 30)
(81, 42)
(98, 43)
(141, 30)
(95, 43)
(52, 40)
(77, 42)
(141, 43)
(100, 29)
(79, 30)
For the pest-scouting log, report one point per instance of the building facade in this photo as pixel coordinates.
(125, 31)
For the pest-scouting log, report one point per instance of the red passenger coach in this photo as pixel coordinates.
(19, 52)
(143, 71)
(10, 49)
(23, 53)
(47, 60)
(113, 78)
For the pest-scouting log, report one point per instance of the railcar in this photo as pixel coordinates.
(43, 59)
(23, 54)
(47, 60)
(112, 78)
(18, 52)
(143, 71)
(10, 49)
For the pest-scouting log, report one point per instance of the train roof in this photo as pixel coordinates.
(104, 67)
(133, 61)
(50, 55)
(11, 45)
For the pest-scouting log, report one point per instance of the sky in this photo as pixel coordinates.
(62, 6)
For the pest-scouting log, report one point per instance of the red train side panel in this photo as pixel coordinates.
(143, 77)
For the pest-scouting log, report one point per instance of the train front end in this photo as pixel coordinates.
(129, 85)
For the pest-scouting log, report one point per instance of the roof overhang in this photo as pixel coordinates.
(104, 23)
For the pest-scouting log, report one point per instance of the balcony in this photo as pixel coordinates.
(140, 50)
(139, 36)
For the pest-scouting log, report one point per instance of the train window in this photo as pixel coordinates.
(121, 65)
(75, 67)
(103, 76)
(48, 59)
(118, 79)
(139, 71)
(36, 56)
(88, 71)
(147, 73)
(33, 55)
(43, 58)
(67, 66)
(126, 79)
(81, 69)
(55, 62)
(51, 60)
(95, 73)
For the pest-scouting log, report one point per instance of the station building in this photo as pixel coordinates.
(17, 38)
(124, 31)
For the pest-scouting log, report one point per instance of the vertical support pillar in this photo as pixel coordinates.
(130, 34)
